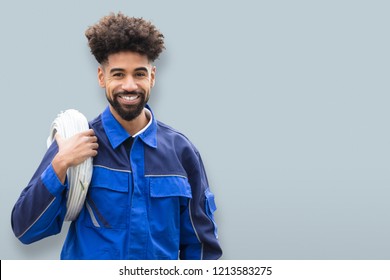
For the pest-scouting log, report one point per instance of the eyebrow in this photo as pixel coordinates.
(116, 70)
(123, 70)
(142, 69)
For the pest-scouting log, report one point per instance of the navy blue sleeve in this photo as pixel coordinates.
(199, 238)
(40, 210)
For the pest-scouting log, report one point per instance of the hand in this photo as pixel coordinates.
(73, 151)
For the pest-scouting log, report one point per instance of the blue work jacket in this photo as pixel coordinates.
(149, 201)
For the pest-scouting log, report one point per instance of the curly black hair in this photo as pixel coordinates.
(117, 32)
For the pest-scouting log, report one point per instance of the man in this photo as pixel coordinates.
(149, 197)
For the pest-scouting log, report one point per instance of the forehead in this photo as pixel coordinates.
(127, 60)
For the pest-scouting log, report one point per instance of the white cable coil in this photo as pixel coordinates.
(67, 124)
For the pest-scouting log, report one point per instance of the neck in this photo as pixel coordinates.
(135, 125)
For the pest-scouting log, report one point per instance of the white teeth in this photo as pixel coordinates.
(130, 98)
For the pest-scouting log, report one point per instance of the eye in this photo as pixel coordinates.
(140, 74)
(118, 75)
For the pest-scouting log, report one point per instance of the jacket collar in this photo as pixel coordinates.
(117, 134)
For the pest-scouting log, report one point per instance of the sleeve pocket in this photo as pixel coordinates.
(211, 207)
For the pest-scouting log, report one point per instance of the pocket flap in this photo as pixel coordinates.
(116, 180)
(167, 186)
(210, 201)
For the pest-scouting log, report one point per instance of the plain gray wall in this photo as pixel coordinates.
(287, 101)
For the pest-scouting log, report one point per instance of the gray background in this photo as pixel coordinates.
(287, 101)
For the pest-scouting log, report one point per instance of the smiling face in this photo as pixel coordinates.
(127, 78)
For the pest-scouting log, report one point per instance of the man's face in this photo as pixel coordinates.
(128, 78)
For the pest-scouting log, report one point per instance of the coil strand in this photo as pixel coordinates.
(67, 124)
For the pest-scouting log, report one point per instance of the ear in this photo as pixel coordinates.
(101, 81)
(153, 76)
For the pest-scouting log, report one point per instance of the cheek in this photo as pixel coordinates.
(112, 88)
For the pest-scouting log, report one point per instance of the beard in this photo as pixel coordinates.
(128, 112)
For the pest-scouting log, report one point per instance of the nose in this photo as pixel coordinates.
(129, 84)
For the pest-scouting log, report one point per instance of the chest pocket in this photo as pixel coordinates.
(108, 198)
(169, 186)
(169, 195)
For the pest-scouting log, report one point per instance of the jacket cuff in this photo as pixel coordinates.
(52, 183)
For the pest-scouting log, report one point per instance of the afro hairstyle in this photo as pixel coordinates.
(116, 32)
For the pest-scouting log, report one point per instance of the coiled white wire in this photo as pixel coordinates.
(67, 124)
